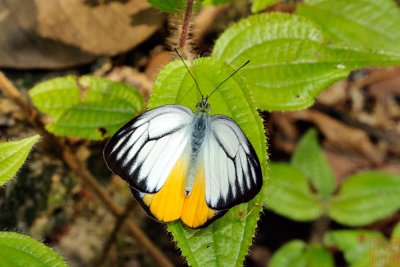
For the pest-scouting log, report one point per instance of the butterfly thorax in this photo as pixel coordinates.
(203, 105)
(200, 124)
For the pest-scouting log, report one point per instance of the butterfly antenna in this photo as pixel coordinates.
(241, 67)
(197, 85)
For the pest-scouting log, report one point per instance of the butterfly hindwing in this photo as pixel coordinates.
(232, 169)
(145, 150)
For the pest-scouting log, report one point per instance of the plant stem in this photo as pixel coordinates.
(186, 25)
(318, 229)
(80, 169)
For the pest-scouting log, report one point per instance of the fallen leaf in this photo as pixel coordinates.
(60, 34)
(343, 136)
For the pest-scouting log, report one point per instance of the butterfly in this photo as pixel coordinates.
(184, 165)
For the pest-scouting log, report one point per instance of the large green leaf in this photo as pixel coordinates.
(354, 243)
(88, 107)
(226, 241)
(291, 61)
(365, 198)
(289, 194)
(292, 254)
(365, 23)
(310, 159)
(17, 250)
(12, 155)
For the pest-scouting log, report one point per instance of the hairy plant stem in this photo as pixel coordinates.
(79, 169)
(183, 43)
(186, 24)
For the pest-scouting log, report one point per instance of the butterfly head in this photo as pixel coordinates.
(203, 105)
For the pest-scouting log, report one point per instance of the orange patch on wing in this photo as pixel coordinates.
(166, 205)
(195, 211)
(170, 203)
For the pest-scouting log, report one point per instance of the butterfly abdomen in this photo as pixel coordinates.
(200, 125)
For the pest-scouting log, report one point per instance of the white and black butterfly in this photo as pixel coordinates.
(185, 165)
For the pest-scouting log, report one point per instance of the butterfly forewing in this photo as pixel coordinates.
(144, 151)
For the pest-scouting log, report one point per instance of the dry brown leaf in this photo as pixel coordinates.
(335, 94)
(343, 136)
(60, 33)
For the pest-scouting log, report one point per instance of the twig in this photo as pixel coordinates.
(119, 222)
(80, 170)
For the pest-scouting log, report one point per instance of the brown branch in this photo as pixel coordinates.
(80, 170)
(119, 222)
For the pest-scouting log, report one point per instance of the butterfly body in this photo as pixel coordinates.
(200, 127)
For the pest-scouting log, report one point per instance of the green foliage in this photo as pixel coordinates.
(396, 233)
(318, 256)
(88, 107)
(291, 59)
(362, 199)
(310, 159)
(226, 241)
(298, 254)
(17, 250)
(169, 6)
(364, 23)
(354, 243)
(365, 198)
(260, 5)
(289, 194)
(292, 254)
(12, 155)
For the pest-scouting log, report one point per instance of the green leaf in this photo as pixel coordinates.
(226, 241)
(365, 198)
(289, 194)
(292, 254)
(310, 159)
(169, 6)
(17, 250)
(365, 23)
(318, 256)
(87, 107)
(396, 234)
(260, 5)
(355, 244)
(12, 155)
(291, 61)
